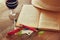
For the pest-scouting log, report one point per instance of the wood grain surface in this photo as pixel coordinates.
(47, 35)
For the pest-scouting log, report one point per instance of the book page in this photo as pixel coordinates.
(49, 20)
(29, 16)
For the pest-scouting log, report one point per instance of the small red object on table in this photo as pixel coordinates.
(21, 28)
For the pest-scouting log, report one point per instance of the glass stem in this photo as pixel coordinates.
(14, 14)
(14, 22)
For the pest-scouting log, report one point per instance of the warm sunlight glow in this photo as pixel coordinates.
(2, 1)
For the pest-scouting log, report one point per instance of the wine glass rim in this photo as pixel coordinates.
(12, 2)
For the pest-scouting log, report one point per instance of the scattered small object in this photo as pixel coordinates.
(41, 32)
(28, 32)
(22, 27)
(14, 31)
(29, 28)
(19, 33)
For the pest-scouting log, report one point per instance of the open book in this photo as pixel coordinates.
(32, 17)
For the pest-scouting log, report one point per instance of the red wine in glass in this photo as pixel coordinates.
(11, 4)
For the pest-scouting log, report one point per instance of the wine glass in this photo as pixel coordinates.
(12, 4)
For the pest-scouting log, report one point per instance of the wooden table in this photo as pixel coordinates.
(47, 35)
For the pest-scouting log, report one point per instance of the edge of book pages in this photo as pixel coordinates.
(49, 20)
(33, 17)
